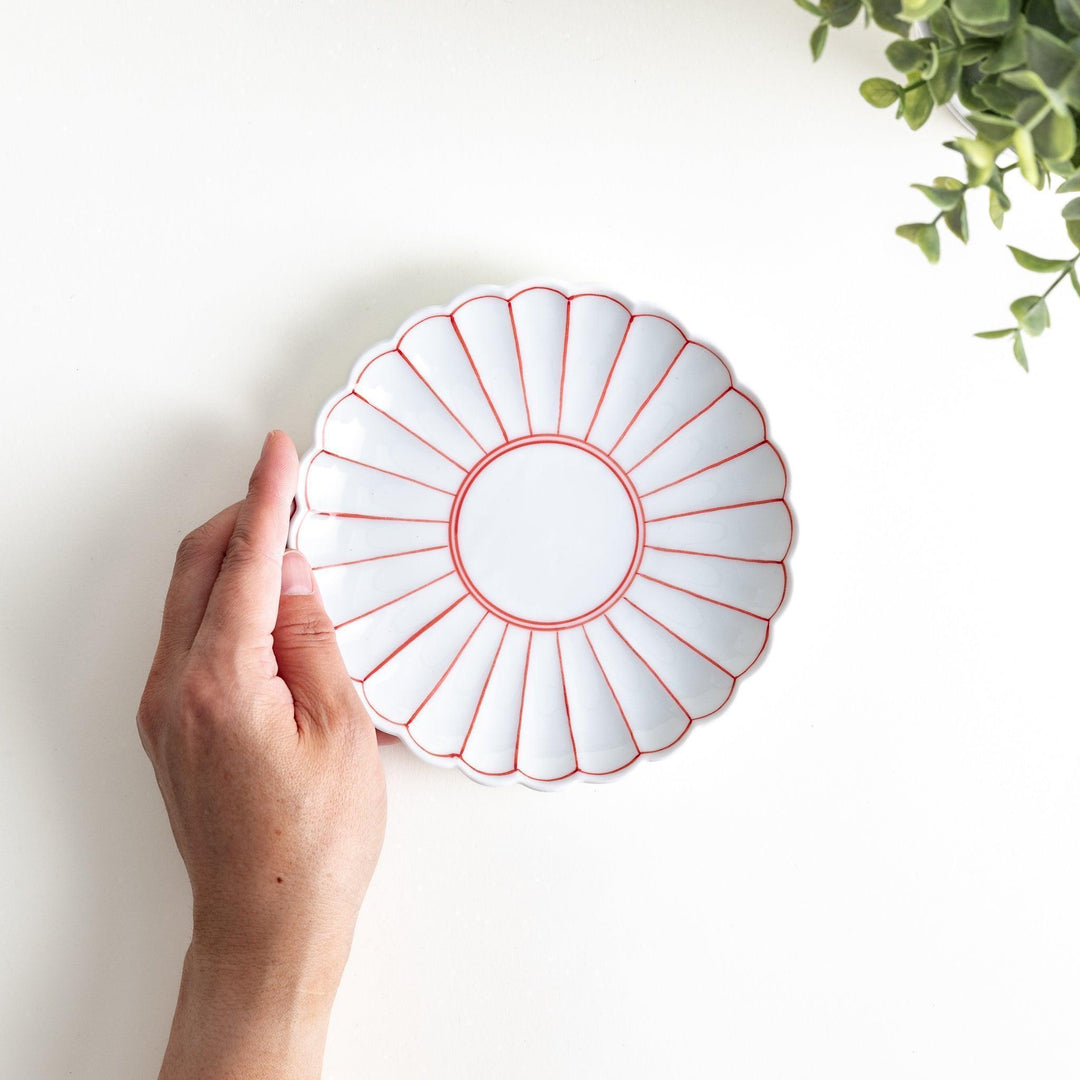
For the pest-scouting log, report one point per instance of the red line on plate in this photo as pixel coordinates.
(692, 648)
(387, 472)
(375, 517)
(714, 555)
(713, 509)
(566, 700)
(611, 689)
(405, 427)
(611, 372)
(483, 691)
(701, 412)
(521, 367)
(652, 670)
(376, 558)
(699, 596)
(641, 407)
(305, 510)
(521, 707)
(412, 637)
(601, 296)
(706, 468)
(562, 376)
(558, 440)
(431, 389)
(379, 607)
(442, 678)
(479, 381)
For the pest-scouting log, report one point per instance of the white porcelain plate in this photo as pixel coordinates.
(550, 532)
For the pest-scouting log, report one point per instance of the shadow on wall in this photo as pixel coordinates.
(106, 977)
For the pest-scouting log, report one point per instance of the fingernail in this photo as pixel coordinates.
(266, 442)
(296, 577)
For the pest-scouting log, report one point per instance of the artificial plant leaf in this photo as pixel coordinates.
(918, 104)
(945, 81)
(1031, 313)
(1071, 210)
(1019, 351)
(1074, 278)
(979, 156)
(1073, 229)
(986, 16)
(1054, 62)
(1043, 13)
(997, 183)
(1001, 96)
(942, 198)
(1025, 152)
(925, 236)
(991, 334)
(993, 129)
(949, 183)
(935, 60)
(1034, 82)
(1037, 263)
(997, 209)
(881, 93)
(886, 14)
(1071, 184)
(942, 28)
(974, 52)
(1068, 13)
(913, 10)
(1010, 52)
(956, 221)
(842, 12)
(814, 9)
(817, 39)
(1055, 137)
(905, 55)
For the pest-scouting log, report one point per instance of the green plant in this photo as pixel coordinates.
(1014, 65)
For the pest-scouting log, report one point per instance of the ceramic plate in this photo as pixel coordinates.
(549, 529)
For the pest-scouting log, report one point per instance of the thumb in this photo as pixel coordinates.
(306, 649)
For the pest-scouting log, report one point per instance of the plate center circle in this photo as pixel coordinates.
(547, 532)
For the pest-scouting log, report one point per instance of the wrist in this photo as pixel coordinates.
(253, 1016)
(300, 948)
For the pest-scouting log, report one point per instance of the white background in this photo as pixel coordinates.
(868, 865)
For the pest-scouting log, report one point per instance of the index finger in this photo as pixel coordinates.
(242, 608)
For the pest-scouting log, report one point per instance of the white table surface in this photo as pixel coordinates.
(868, 865)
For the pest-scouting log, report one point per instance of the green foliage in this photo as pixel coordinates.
(1038, 264)
(925, 236)
(944, 198)
(1068, 13)
(1014, 65)
(1031, 313)
(1019, 351)
(881, 93)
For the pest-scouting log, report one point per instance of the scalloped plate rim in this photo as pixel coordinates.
(508, 292)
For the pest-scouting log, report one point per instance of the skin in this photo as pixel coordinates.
(268, 767)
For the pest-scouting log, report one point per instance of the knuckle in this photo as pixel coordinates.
(144, 720)
(150, 706)
(240, 546)
(199, 695)
(191, 549)
(306, 627)
(243, 551)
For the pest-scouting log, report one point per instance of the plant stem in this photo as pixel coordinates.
(967, 187)
(1062, 276)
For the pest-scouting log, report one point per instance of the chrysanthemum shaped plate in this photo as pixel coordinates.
(550, 532)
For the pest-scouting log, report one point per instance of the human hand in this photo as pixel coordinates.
(268, 767)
